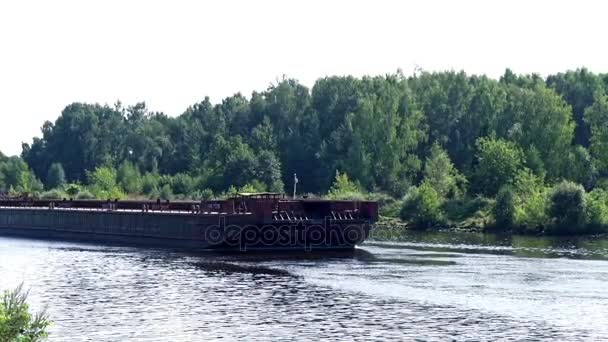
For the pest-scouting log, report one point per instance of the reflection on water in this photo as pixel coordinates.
(418, 285)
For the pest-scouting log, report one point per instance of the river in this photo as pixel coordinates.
(429, 286)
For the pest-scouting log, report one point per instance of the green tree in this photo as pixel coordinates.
(596, 118)
(423, 206)
(596, 210)
(440, 173)
(129, 178)
(103, 184)
(578, 88)
(344, 188)
(15, 174)
(531, 201)
(504, 208)
(567, 207)
(498, 161)
(55, 177)
(17, 323)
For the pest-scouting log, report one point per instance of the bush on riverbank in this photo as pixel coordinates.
(567, 208)
(423, 206)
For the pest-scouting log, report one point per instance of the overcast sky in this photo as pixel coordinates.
(172, 54)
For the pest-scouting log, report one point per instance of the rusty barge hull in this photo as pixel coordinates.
(252, 222)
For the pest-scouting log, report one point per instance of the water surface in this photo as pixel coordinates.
(417, 285)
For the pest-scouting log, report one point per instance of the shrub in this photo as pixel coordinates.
(103, 183)
(16, 321)
(504, 208)
(166, 193)
(388, 205)
(54, 194)
(72, 190)
(344, 188)
(55, 176)
(441, 174)
(183, 184)
(498, 163)
(129, 178)
(596, 210)
(423, 206)
(531, 201)
(85, 194)
(205, 194)
(567, 208)
(150, 184)
(253, 186)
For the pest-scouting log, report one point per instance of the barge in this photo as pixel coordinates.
(248, 221)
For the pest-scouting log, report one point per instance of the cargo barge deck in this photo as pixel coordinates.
(261, 221)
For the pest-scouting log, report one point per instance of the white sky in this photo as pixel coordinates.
(172, 54)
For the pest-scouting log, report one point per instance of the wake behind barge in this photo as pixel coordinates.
(245, 222)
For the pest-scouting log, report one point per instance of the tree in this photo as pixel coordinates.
(129, 178)
(504, 209)
(531, 201)
(596, 210)
(344, 188)
(15, 174)
(440, 173)
(538, 119)
(596, 118)
(269, 171)
(423, 206)
(498, 161)
(103, 185)
(567, 208)
(581, 167)
(578, 88)
(55, 177)
(17, 323)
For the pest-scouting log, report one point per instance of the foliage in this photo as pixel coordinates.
(166, 193)
(103, 184)
(15, 174)
(440, 173)
(567, 207)
(54, 194)
(85, 194)
(531, 201)
(17, 323)
(344, 188)
(388, 205)
(55, 177)
(498, 161)
(596, 210)
(72, 190)
(504, 208)
(128, 178)
(596, 118)
(580, 167)
(423, 206)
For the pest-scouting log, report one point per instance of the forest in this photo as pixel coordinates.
(521, 153)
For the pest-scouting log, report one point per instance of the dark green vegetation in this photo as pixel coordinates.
(521, 153)
(16, 322)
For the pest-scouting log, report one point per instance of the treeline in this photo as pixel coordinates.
(462, 138)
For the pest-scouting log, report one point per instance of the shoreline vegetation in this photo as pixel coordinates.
(522, 154)
(17, 322)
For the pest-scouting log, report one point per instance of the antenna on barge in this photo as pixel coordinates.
(295, 182)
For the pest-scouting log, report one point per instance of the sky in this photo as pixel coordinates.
(171, 54)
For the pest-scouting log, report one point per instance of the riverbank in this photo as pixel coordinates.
(389, 225)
